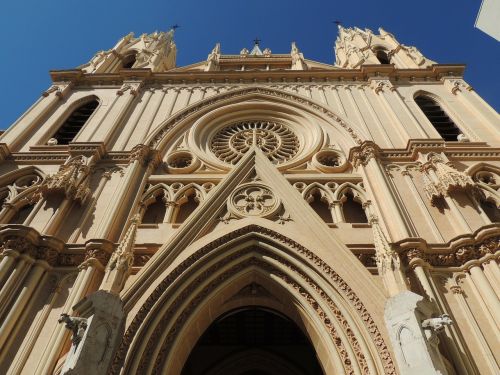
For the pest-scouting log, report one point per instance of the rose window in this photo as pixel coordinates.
(276, 140)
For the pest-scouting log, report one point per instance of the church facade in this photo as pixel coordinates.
(254, 213)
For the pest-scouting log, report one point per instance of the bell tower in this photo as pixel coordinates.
(156, 51)
(355, 47)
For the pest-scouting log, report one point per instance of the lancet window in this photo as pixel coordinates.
(74, 123)
(129, 61)
(382, 56)
(438, 118)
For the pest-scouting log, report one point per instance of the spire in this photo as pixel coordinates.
(256, 49)
(213, 59)
(298, 62)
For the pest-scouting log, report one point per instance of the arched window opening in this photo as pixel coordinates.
(382, 56)
(491, 210)
(22, 214)
(438, 118)
(74, 123)
(252, 340)
(186, 209)
(321, 207)
(155, 212)
(353, 211)
(128, 61)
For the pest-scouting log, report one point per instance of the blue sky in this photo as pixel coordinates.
(61, 34)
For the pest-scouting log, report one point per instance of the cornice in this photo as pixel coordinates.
(436, 72)
(453, 150)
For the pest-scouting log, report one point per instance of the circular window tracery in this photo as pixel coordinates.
(276, 140)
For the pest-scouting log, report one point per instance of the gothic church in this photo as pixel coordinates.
(254, 213)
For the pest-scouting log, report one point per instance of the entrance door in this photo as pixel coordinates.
(253, 341)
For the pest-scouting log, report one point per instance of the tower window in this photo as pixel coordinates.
(382, 57)
(438, 118)
(128, 61)
(74, 123)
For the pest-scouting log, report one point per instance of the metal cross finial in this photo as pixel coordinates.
(338, 23)
(256, 41)
(175, 27)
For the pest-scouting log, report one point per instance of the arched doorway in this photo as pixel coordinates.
(252, 340)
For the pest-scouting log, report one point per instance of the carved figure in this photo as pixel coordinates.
(437, 324)
(76, 325)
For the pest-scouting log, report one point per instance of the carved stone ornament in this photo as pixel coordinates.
(140, 153)
(76, 325)
(253, 199)
(437, 324)
(386, 258)
(71, 179)
(363, 154)
(459, 256)
(275, 140)
(446, 179)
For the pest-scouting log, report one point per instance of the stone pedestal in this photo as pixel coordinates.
(94, 346)
(415, 348)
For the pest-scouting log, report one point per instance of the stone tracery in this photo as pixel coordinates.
(276, 140)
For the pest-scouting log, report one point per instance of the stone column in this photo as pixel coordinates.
(365, 157)
(88, 269)
(421, 205)
(139, 157)
(336, 212)
(477, 333)
(419, 265)
(486, 291)
(16, 310)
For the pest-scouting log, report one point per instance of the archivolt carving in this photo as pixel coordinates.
(325, 269)
(167, 344)
(160, 135)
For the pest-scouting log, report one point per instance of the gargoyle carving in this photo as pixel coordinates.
(437, 324)
(76, 325)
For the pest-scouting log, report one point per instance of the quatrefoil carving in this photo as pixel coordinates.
(253, 200)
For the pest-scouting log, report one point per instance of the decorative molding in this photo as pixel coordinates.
(325, 269)
(168, 126)
(458, 257)
(444, 179)
(362, 154)
(71, 179)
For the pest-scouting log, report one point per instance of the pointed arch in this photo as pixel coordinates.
(320, 199)
(157, 336)
(74, 119)
(352, 135)
(447, 111)
(16, 193)
(352, 199)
